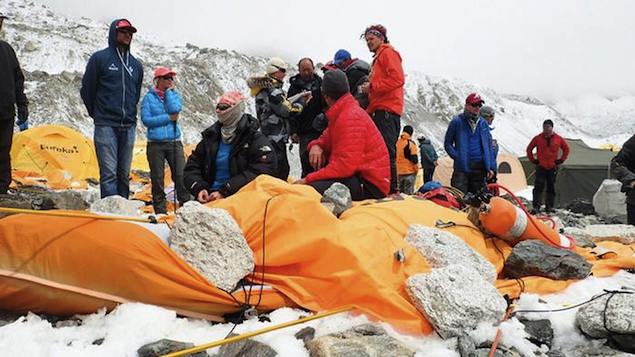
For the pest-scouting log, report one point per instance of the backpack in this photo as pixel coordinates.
(408, 155)
(441, 197)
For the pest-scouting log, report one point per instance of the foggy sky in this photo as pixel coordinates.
(553, 49)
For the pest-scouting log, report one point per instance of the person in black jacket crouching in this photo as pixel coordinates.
(232, 153)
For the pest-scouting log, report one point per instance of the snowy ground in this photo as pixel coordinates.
(132, 325)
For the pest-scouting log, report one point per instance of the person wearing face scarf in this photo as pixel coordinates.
(231, 154)
(468, 141)
(160, 110)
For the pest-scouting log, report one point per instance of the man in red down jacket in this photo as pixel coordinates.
(548, 145)
(385, 93)
(351, 150)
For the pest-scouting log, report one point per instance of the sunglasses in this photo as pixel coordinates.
(283, 70)
(168, 78)
(475, 105)
(125, 31)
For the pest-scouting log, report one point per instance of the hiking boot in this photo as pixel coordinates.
(534, 211)
(550, 210)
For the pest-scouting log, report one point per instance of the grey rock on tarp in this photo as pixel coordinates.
(442, 248)
(622, 233)
(540, 331)
(455, 299)
(582, 206)
(609, 202)
(165, 346)
(581, 237)
(245, 348)
(210, 240)
(340, 196)
(535, 258)
(620, 316)
(364, 340)
(306, 334)
(466, 345)
(117, 205)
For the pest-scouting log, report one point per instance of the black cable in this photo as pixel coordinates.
(264, 226)
(607, 292)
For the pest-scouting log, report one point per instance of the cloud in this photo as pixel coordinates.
(550, 49)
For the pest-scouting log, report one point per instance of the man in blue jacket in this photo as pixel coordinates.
(160, 110)
(111, 88)
(468, 141)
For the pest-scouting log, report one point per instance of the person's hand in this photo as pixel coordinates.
(174, 117)
(316, 157)
(295, 138)
(22, 124)
(490, 174)
(559, 162)
(365, 88)
(632, 184)
(203, 196)
(300, 182)
(216, 196)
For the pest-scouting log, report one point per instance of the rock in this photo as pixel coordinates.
(535, 258)
(609, 202)
(581, 205)
(484, 352)
(13, 201)
(98, 341)
(306, 334)
(73, 322)
(210, 240)
(622, 233)
(165, 346)
(442, 248)
(30, 46)
(582, 238)
(540, 331)
(246, 348)
(8, 317)
(68, 200)
(67, 76)
(339, 195)
(466, 345)
(117, 205)
(620, 316)
(455, 299)
(365, 340)
(596, 351)
(555, 353)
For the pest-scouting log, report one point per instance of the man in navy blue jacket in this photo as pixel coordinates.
(468, 141)
(111, 88)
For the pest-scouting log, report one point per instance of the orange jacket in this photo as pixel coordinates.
(386, 81)
(405, 166)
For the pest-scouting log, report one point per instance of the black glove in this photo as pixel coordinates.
(534, 161)
(23, 112)
(559, 162)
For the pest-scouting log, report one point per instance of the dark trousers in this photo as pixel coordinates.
(283, 162)
(158, 153)
(360, 188)
(389, 125)
(630, 214)
(548, 178)
(6, 139)
(473, 181)
(305, 139)
(428, 172)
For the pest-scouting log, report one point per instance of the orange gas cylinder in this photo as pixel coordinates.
(511, 223)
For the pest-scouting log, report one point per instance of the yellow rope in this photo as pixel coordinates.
(74, 214)
(206, 346)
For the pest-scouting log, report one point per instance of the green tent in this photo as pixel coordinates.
(580, 176)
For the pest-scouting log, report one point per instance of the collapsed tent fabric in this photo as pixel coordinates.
(57, 155)
(307, 256)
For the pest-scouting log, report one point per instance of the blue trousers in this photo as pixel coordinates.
(114, 146)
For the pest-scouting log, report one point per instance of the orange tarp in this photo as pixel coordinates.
(311, 258)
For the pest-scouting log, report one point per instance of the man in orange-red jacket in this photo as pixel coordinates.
(350, 150)
(385, 92)
(548, 145)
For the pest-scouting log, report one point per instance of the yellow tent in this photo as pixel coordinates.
(139, 159)
(55, 154)
(510, 172)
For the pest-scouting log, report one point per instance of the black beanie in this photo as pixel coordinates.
(408, 129)
(548, 122)
(335, 84)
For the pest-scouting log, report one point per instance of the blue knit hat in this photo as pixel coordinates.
(341, 56)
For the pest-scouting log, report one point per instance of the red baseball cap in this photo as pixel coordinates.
(125, 24)
(474, 98)
(163, 71)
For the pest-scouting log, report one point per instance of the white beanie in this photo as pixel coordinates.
(275, 64)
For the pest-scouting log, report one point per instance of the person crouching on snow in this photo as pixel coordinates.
(231, 154)
(160, 110)
(351, 150)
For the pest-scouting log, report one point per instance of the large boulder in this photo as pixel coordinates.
(442, 248)
(619, 313)
(339, 196)
(582, 206)
(364, 340)
(622, 233)
(535, 258)
(455, 299)
(117, 205)
(210, 240)
(608, 201)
